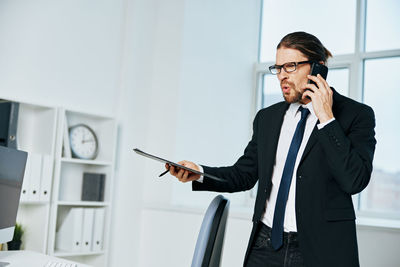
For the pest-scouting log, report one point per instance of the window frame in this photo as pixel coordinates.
(355, 62)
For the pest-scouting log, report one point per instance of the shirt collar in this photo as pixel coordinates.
(294, 108)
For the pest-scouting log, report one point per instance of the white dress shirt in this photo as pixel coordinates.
(290, 120)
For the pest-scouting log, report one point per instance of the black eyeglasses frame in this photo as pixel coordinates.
(278, 68)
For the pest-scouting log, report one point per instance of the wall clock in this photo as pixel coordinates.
(83, 141)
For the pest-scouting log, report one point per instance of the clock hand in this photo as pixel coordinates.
(86, 141)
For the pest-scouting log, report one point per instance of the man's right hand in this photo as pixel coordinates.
(182, 174)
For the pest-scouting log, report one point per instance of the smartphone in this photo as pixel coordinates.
(317, 68)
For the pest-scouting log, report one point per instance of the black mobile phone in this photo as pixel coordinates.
(317, 68)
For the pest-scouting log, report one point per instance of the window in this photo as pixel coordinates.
(382, 93)
(365, 43)
(382, 25)
(282, 17)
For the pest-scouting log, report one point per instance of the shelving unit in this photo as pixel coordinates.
(53, 182)
(67, 184)
(36, 134)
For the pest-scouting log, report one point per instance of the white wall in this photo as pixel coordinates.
(168, 45)
(378, 246)
(150, 77)
(214, 120)
(178, 76)
(203, 80)
(61, 52)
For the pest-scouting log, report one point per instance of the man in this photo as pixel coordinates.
(309, 153)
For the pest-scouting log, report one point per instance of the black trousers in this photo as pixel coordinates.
(263, 255)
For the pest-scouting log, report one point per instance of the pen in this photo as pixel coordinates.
(164, 172)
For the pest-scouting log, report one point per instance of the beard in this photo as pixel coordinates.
(293, 96)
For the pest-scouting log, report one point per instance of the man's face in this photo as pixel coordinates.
(293, 83)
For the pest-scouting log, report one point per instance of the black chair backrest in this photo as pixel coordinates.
(210, 241)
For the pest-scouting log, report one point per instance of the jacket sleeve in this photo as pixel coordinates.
(239, 177)
(350, 156)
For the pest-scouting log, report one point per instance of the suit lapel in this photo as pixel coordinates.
(272, 128)
(311, 142)
(276, 126)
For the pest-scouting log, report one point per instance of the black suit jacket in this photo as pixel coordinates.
(336, 163)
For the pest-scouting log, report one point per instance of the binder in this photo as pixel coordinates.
(27, 180)
(69, 234)
(98, 229)
(13, 125)
(35, 176)
(5, 107)
(8, 123)
(45, 183)
(66, 145)
(87, 230)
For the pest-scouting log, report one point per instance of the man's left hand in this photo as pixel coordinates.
(321, 97)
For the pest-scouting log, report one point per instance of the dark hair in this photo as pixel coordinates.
(306, 43)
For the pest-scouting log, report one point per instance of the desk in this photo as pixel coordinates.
(24, 258)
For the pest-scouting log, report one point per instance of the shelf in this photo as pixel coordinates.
(73, 254)
(88, 162)
(27, 202)
(83, 203)
(100, 117)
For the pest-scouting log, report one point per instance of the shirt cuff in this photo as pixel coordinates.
(322, 125)
(200, 180)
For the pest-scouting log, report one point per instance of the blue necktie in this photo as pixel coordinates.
(280, 206)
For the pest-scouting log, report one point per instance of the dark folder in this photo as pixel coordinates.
(93, 186)
(8, 123)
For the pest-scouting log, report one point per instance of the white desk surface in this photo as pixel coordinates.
(24, 258)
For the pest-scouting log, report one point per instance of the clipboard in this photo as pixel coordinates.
(147, 155)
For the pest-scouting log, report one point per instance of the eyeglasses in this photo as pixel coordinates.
(288, 67)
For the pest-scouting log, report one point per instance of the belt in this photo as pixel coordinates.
(287, 236)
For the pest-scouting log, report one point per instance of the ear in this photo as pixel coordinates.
(321, 62)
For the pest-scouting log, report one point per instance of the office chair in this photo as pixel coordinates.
(211, 236)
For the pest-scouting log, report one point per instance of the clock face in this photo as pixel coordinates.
(83, 142)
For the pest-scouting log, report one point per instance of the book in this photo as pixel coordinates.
(93, 186)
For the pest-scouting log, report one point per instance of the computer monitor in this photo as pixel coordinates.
(12, 169)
